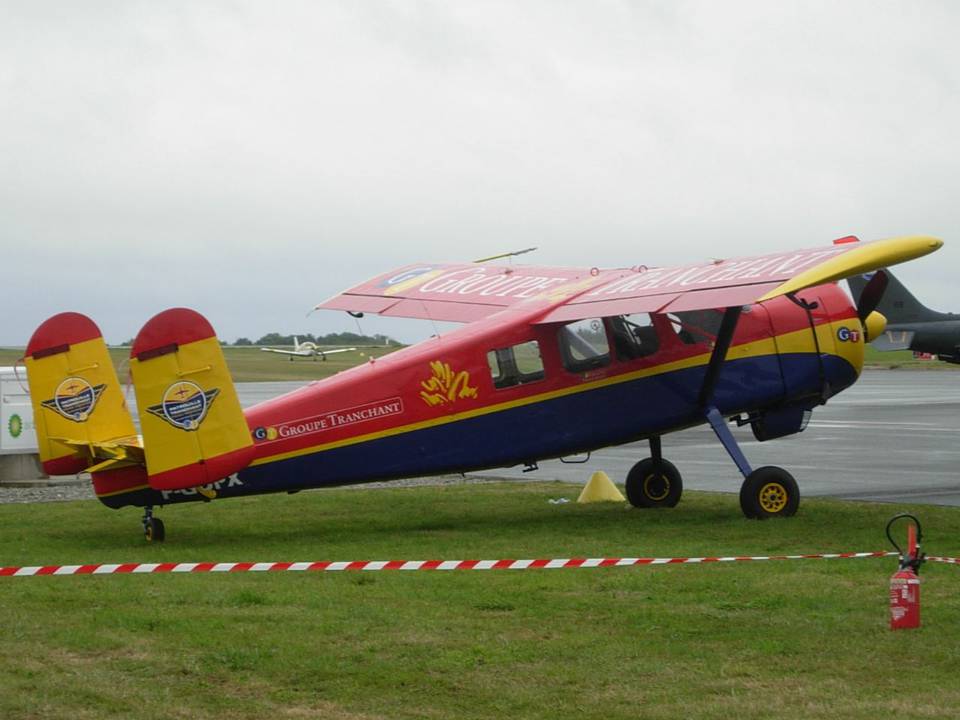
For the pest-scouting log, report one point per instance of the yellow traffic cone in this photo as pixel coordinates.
(600, 488)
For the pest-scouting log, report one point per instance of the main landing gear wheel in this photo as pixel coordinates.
(654, 483)
(153, 529)
(769, 492)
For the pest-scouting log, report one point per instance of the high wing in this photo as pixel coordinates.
(463, 293)
(740, 281)
(300, 353)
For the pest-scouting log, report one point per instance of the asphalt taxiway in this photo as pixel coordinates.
(892, 437)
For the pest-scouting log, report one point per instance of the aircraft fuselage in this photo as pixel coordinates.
(937, 337)
(506, 391)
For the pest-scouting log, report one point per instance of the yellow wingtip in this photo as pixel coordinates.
(863, 258)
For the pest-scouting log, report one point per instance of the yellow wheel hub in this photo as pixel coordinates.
(656, 487)
(773, 497)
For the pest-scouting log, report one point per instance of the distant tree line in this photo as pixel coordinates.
(344, 338)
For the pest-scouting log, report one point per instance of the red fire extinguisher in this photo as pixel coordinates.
(905, 583)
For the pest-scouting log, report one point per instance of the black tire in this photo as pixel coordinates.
(769, 492)
(154, 531)
(652, 483)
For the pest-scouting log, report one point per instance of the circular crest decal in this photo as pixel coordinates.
(75, 398)
(185, 405)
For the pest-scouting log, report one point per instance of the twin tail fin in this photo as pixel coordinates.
(193, 431)
(78, 402)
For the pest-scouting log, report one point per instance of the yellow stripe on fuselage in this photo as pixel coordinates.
(136, 488)
(799, 341)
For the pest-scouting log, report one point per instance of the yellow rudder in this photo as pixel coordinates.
(78, 401)
(194, 430)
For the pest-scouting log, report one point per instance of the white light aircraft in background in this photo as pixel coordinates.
(308, 349)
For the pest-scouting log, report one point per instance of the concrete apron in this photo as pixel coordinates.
(24, 470)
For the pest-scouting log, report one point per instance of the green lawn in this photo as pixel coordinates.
(249, 364)
(797, 639)
(905, 359)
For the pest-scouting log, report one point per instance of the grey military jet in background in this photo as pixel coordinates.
(910, 324)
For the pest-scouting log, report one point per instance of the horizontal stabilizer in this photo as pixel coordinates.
(78, 405)
(894, 340)
(194, 431)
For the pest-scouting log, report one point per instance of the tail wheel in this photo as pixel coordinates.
(769, 492)
(654, 483)
(153, 530)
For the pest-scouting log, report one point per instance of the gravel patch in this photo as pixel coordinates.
(65, 491)
(56, 492)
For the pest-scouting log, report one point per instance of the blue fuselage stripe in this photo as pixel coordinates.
(600, 417)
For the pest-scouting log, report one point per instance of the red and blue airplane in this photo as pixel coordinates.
(551, 362)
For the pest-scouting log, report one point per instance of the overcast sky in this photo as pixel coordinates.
(250, 159)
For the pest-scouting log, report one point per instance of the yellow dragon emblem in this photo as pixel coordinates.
(446, 386)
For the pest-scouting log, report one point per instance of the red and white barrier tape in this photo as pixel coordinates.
(948, 560)
(367, 565)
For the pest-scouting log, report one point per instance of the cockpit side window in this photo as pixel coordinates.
(584, 345)
(696, 327)
(634, 336)
(516, 365)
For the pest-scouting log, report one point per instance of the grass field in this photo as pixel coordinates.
(905, 359)
(249, 364)
(798, 639)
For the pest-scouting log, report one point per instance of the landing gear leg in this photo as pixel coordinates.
(654, 482)
(766, 492)
(153, 529)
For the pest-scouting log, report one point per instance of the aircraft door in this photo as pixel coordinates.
(800, 348)
(756, 325)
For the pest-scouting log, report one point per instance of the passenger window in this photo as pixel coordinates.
(697, 326)
(584, 346)
(516, 365)
(496, 371)
(634, 336)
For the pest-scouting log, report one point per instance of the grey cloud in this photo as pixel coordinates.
(249, 159)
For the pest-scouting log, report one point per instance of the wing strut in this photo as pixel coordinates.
(724, 337)
(808, 308)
